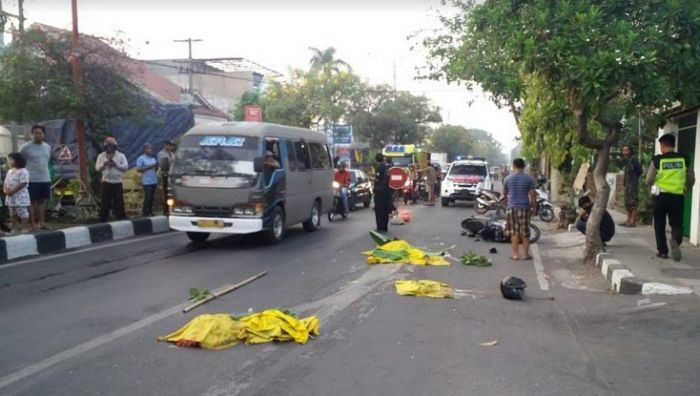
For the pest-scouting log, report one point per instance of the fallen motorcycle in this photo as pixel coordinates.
(494, 229)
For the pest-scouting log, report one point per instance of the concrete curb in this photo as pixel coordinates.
(623, 281)
(21, 246)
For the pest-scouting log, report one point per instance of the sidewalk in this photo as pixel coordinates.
(635, 248)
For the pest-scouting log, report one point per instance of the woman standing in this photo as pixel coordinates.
(16, 191)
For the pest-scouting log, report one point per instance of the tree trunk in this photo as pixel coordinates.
(594, 244)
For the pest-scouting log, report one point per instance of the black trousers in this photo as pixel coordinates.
(112, 195)
(149, 194)
(382, 209)
(671, 206)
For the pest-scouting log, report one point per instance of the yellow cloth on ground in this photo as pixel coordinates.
(423, 288)
(219, 331)
(400, 251)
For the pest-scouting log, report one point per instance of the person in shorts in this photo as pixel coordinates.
(16, 191)
(520, 196)
(38, 154)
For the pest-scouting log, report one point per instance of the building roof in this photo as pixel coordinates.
(159, 87)
(219, 65)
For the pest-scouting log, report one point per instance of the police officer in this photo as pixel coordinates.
(382, 194)
(672, 177)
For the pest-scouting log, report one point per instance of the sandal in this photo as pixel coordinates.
(515, 258)
(528, 257)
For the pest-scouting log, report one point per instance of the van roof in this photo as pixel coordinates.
(259, 129)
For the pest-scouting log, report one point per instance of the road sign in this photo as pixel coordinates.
(397, 177)
(252, 113)
(342, 134)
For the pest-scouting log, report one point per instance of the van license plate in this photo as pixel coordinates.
(210, 223)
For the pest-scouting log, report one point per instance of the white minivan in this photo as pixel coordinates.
(222, 183)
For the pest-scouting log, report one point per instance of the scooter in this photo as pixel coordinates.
(487, 200)
(408, 192)
(338, 207)
(544, 208)
(494, 229)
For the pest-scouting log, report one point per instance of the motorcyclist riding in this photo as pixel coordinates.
(342, 176)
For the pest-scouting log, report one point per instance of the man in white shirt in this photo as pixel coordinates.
(112, 164)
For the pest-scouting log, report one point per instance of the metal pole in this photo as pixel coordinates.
(639, 136)
(190, 64)
(20, 6)
(80, 126)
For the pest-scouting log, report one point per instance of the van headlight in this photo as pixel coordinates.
(336, 184)
(180, 208)
(248, 210)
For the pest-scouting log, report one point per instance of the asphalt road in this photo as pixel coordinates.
(85, 323)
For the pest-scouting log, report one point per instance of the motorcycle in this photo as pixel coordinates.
(408, 192)
(545, 210)
(494, 229)
(487, 200)
(338, 207)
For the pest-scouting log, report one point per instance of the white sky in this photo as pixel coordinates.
(369, 35)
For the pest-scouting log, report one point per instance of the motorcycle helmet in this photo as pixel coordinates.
(513, 288)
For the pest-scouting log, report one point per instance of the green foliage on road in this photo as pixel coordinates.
(36, 83)
(197, 295)
(601, 62)
(458, 140)
(473, 259)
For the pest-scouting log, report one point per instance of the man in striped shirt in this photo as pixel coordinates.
(520, 196)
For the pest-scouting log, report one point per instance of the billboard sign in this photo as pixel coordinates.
(342, 134)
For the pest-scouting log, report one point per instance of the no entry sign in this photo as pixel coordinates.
(397, 177)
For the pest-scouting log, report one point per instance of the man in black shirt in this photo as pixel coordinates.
(382, 194)
(607, 225)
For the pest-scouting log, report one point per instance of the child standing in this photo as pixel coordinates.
(16, 191)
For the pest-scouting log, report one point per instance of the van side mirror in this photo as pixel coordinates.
(258, 164)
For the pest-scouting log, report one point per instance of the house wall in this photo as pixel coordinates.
(672, 127)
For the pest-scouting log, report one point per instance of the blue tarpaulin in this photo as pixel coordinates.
(166, 122)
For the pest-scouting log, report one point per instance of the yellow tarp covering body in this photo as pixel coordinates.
(402, 252)
(219, 331)
(423, 288)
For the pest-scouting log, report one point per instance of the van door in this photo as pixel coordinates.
(299, 188)
(322, 174)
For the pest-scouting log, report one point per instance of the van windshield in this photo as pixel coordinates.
(467, 170)
(403, 162)
(214, 155)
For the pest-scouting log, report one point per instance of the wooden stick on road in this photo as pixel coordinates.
(224, 290)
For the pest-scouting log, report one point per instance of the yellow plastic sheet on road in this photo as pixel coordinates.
(423, 288)
(219, 331)
(400, 251)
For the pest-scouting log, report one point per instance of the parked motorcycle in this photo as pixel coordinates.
(487, 200)
(338, 207)
(544, 208)
(494, 229)
(408, 193)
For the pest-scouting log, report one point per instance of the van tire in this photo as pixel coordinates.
(445, 201)
(314, 222)
(198, 237)
(275, 233)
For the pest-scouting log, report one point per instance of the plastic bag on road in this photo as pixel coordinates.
(219, 331)
(399, 251)
(423, 288)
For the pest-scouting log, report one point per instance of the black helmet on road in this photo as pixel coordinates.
(513, 288)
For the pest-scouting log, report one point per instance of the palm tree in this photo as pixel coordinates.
(326, 61)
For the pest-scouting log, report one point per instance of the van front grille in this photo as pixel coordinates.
(213, 211)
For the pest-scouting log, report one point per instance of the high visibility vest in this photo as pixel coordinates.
(670, 177)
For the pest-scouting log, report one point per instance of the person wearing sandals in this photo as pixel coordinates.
(16, 191)
(633, 171)
(519, 194)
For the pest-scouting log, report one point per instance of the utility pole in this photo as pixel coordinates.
(80, 126)
(20, 11)
(190, 67)
(394, 79)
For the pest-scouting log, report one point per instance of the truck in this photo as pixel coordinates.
(440, 159)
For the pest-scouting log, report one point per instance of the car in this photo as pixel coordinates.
(360, 189)
(463, 179)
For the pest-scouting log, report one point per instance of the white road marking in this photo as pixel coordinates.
(539, 268)
(85, 347)
(101, 246)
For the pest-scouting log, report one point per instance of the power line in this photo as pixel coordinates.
(189, 42)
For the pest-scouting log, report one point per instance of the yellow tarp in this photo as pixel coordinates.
(402, 252)
(423, 288)
(219, 331)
